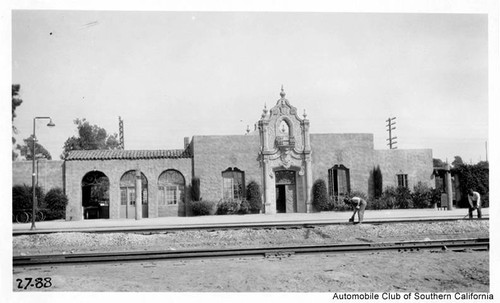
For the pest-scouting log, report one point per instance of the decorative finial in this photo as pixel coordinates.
(264, 111)
(248, 129)
(282, 94)
(305, 115)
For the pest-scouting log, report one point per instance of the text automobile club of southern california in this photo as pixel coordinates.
(415, 296)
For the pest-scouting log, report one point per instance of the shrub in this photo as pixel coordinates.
(228, 207)
(403, 198)
(254, 197)
(388, 198)
(22, 197)
(422, 196)
(320, 197)
(435, 196)
(485, 200)
(201, 208)
(379, 203)
(338, 204)
(56, 202)
(244, 207)
(195, 189)
(396, 197)
(377, 182)
(475, 177)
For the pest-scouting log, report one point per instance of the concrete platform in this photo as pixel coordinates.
(241, 220)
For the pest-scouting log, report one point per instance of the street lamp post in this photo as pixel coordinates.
(33, 176)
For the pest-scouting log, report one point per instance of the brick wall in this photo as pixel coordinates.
(214, 154)
(49, 173)
(354, 151)
(416, 163)
(114, 170)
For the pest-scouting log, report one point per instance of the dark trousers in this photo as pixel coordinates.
(471, 210)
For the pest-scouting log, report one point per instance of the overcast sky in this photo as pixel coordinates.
(175, 74)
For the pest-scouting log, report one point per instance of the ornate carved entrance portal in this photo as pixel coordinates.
(285, 159)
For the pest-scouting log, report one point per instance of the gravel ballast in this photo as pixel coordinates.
(57, 243)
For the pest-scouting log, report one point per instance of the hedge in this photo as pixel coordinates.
(254, 197)
(201, 208)
(320, 197)
(56, 202)
(475, 177)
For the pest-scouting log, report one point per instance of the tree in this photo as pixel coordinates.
(483, 164)
(457, 162)
(90, 137)
(195, 189)
(16, 101)
(377, 182)
(254, 197)
(320, 195)
(438, 163)
(22, 197)
(27, 149)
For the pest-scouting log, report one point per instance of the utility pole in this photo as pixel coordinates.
(120, 130)
(390, 126)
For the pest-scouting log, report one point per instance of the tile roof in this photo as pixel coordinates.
(118, 154)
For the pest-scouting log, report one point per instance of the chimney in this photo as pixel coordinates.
(186, 142)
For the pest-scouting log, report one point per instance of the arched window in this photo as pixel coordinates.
(339, 183)
(233, 184)
(170, 187)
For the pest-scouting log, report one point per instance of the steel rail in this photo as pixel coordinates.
(458, 244)
(224, 226)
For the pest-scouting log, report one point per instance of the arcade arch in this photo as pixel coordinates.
(95, 195)
(127, 195)
(171, 192)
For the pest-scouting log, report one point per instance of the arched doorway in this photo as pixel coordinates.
(127, 195)
(95, 195)
(286, 193)
(171, 187)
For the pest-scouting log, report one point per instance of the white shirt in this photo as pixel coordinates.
(357, 200)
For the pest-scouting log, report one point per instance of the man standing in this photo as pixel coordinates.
(359, 206)
(474, 203)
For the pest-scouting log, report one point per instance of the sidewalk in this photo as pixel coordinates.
(232, 220)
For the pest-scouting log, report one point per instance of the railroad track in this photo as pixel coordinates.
(227, 226)
(454, 245)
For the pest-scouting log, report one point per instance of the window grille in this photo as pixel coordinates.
(233, 184)
(403, 180)
(123, 195)
(338, 181)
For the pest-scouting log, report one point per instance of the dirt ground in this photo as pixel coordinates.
(423, 271)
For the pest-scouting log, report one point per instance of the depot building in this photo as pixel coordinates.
(280, 155)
